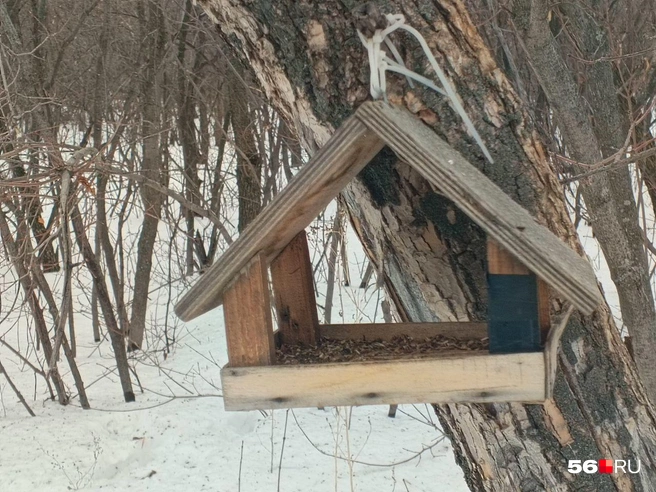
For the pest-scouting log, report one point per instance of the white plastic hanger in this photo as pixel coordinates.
(380, 63)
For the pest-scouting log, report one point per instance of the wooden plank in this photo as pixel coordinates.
(500, 261)
(551, 350)
(480, 378)
(247, 312)
(502, 218)
(293, 288)
(350, 149)
(387, 331)
(544, 310)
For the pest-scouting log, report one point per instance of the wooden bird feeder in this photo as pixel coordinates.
(524, 260)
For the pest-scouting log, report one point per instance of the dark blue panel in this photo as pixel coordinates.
(513, 323)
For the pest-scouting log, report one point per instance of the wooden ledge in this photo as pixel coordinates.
(474, 377)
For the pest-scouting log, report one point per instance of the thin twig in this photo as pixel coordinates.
(383, 465)
(608, 164)
(24, 359)
(282, 449)
(203, 212)
(241, 459)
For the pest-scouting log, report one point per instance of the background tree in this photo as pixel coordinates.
(118, 147)
(153, 37)
(600, 407)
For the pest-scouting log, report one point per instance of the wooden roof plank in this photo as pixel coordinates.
(502, 218)
(351, 147)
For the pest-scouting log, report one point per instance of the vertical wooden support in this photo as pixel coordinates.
(247, 312)
(514, 320)
(501, 262)
(293, 288)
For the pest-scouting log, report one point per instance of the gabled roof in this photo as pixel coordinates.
(352, 146)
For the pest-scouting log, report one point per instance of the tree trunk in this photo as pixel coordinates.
(115, 335)
(151, 168)
(187, 83)
(311, 65)
(249, 161)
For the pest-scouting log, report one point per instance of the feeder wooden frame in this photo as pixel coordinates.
(517, 245)
(464, 376)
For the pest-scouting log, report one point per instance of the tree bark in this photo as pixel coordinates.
(187, 83)
(312, 67)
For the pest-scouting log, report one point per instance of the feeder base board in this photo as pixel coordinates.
(474, 377)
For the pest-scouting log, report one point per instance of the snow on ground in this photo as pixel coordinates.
(188, 442)
(177, 437)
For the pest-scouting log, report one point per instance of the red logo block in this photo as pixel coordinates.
(606, 466)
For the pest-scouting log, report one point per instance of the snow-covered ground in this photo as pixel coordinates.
(177, 437)
(187, 442)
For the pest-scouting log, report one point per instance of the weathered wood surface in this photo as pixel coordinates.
(387, 331)
(544, 310)
(293, 289)
(247, 312)
(350, 149)
(473, 378)
(501, 262)
(503, 219)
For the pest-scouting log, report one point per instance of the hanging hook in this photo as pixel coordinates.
(379, 63)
